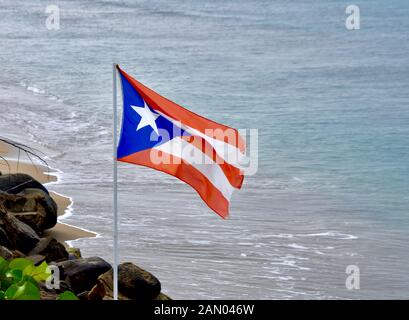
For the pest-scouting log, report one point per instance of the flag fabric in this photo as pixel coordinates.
(162, 135)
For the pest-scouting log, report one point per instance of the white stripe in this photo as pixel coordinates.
(192, 155)
(226, 151)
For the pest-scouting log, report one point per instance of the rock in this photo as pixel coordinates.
(64, 286)
(25, 237)
(37, 259)
(82, 274)
(5, 253)
(17, 182)
(46, 293)
(162, 296)
(103, 290)
(51, 249)
(57, 289)
(34, 207)
(47, 202)
(137, 283)
(17, 234)
(134, 283)
(83, 295)
(74, 253)
(52, 294)
(4, 239)
(18, 254)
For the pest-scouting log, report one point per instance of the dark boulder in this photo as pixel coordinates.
(4, 239)
(36, 258)
(33, 207)
(18, 254)
(17, 182)
(51, 249)
(82, 274)
(5, 253)
(83, 295)
(134, 283)
(16, 234)
(25, 237)
(103, 290)
(162, 296)
(137, 283)
(74, 253)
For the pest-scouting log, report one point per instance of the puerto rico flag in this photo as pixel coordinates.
(162, 135)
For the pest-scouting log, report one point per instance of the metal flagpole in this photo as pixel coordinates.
(115, 246)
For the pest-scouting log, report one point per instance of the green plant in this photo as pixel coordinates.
(67, 295)
(20, 278)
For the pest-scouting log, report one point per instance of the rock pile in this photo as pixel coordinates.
(26, 211)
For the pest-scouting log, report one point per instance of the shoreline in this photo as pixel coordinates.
(61, 232)
(31, 230)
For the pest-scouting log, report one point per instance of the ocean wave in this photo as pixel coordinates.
(38, 91)
(297, 246)
(333, 234)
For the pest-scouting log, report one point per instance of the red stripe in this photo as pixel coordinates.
(189, 118)
(232, 173)
(185, 172)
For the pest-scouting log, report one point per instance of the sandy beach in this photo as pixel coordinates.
(22, 164)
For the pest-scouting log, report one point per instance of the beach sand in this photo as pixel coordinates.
(62, 232)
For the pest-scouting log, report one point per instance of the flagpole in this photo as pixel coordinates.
(115, 172)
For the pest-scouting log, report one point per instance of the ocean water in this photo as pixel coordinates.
(331, 107)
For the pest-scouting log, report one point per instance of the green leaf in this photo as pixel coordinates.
(5, 283)
(41, 272)
(27, 271)
(11, 292)
(15, 274)
(29, 279)
(3, 266)
(20, 264)
(1, 295)
(67, 295)
(26, 291)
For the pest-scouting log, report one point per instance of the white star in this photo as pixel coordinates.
(147, 117)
